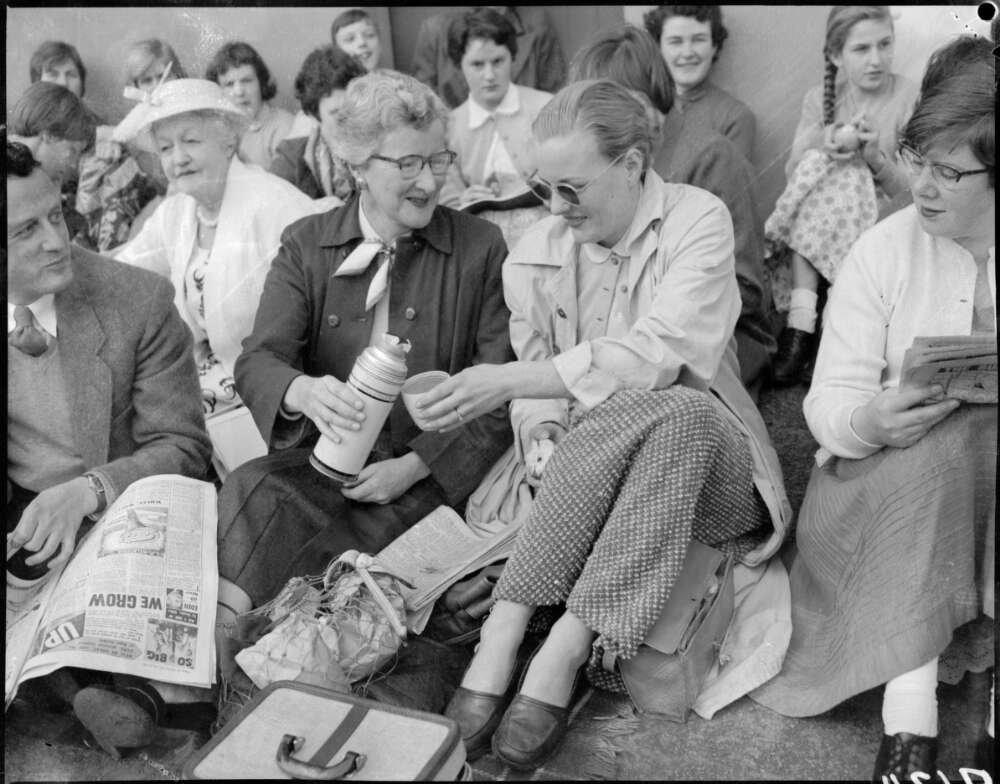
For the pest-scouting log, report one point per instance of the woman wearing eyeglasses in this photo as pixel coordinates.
(393, 261)
(895, 536)
(623, 304)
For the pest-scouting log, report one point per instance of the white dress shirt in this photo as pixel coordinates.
(498, 160)
(44, 311)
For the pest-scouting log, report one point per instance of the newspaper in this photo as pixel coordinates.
(965, 366)
(137, 597)
(437, 552)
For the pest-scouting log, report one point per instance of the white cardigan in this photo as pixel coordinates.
(256, 208)
(897, 282)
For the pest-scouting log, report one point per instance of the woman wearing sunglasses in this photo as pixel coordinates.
(895, 536)
(623, 304)
(389, 261)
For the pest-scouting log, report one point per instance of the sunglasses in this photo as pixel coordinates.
(568, 193)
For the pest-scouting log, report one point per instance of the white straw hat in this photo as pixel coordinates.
(169, 99)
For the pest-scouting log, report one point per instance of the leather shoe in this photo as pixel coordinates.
(902, 754)
(127, 716)
(115, 720)
(478, 714)
(529, 732)
(796, 349)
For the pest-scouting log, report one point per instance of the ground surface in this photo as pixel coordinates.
(607, 739)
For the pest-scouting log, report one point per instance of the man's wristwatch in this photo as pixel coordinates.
(102, 497)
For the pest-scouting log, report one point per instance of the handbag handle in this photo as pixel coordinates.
(298, 769)
(361, 563)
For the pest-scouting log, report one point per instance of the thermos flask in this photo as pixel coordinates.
(377, 376)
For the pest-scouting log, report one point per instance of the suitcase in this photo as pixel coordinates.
(294, 730)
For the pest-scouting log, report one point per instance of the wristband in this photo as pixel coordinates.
(102, 497)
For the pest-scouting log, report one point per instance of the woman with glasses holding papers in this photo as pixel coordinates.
(623, 304)
(391, 260)
(895, 536)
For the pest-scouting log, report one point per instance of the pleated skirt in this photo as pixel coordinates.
(894, 552)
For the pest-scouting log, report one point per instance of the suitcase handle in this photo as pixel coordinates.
(298, 769)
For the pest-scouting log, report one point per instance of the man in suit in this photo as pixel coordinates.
(102, 387)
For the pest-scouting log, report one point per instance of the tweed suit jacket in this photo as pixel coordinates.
(446, 298)
(129, 368)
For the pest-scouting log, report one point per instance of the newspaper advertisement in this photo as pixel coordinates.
(964, 366)
(137, 597)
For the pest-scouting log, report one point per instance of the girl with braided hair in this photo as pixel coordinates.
(842, 172)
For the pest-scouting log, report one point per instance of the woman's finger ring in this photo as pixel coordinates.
(459, 415)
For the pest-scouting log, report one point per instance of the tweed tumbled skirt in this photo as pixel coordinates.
(629, 486)
(895, 552)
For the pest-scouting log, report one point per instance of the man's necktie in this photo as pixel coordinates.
(359, 259)
(26, 336)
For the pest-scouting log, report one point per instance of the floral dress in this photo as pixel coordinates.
(218, 388)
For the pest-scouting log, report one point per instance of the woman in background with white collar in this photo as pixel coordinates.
(623, 304)
(491, 131)
(214, 238)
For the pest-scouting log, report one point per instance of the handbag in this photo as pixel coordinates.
(669, 669)
(460, 613)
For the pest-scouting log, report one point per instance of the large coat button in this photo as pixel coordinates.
(409, 314)
(333, 320)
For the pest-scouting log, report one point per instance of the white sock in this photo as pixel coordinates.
(910, 702)
(802, 310)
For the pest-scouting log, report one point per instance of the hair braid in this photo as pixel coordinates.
(829, 91)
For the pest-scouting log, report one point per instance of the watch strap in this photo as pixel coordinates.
(102, 497)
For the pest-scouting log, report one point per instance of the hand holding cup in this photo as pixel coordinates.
(415, 387)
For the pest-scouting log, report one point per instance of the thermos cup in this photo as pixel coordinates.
(377, 377)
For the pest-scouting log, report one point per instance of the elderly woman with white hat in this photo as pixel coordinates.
(216, 235)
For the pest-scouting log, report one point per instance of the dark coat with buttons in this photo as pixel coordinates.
(446, 298)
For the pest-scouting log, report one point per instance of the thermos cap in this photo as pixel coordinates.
(385, 362)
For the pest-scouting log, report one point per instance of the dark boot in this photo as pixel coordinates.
(796, 351)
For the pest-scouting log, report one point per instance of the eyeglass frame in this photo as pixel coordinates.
(425, 160)
(575, 198)
(904, 149)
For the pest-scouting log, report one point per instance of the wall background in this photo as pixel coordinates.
(773, 54)
(283, 36)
